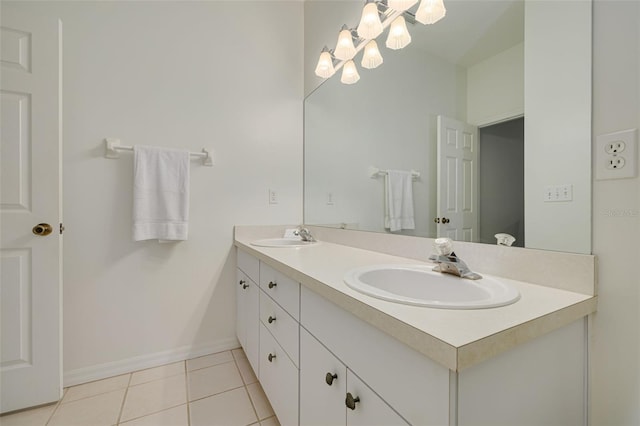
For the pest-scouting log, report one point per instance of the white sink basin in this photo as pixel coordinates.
(281, 242)
(419, 285)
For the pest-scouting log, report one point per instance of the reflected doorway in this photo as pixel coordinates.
(501, 181)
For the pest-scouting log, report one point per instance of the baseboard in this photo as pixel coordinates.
(110, 369)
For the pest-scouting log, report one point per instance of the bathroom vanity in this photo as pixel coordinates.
(328, 355)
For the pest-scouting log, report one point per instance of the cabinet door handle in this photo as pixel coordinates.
(244, 286)
(350, 402)
(242, 282)
(271, 319)
(271, 357)
(329, 378)
(272, 284)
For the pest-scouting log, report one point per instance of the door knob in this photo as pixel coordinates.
(42, 229)
(445, 220)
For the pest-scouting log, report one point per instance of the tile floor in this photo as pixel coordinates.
(217, 389)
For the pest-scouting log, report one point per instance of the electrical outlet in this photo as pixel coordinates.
(615, 162)
(615, 155)
(613, 148)
(273, 197)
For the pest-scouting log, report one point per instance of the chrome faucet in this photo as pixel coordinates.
(447, 261)
(305, 234)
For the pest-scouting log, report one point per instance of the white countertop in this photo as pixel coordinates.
(456, 339)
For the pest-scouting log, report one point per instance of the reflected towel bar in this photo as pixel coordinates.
(112, 146)
(375, 172)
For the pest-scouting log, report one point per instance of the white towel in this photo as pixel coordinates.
(160, 194)
(398, 211)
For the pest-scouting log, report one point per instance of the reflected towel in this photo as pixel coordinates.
(160, 194)
(398, 211)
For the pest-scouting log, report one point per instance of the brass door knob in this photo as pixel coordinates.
(42, 229)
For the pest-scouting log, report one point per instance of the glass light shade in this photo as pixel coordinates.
(325, 68)
(370, 25)
(399, 36)
(344, 48)
(401, 5)
(371, 58)
(430, 11)
(349, 73)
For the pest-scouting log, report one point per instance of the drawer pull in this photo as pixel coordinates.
(272, 284)
(329, 378)
(271, 357)
(351, 401)
(271, 319)
(242, 282)
(244, 286)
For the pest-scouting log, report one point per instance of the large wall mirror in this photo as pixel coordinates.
(507, 81)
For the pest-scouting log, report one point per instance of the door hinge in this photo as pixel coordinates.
(61, 228)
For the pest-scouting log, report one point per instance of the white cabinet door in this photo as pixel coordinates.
(247, 316)
(30, 283)
(279, 379)
(365, 408)
(323, 384)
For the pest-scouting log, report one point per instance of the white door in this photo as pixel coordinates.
(457, 180)
(30, 268)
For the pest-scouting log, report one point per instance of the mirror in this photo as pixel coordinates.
(517, 72)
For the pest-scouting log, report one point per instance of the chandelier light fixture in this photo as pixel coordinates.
(349, 73)
(430, 11)
(399, 35)
(371, 58)
(370, 25)
(377, 15)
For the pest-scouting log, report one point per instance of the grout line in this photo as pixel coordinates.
(218, 393)
(186, 384)
(64, 392)
(126, 392)
(152, 413)
(246, 389)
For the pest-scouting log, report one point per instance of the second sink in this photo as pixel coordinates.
(419, 285)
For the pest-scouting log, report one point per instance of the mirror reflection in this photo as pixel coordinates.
(451, 107)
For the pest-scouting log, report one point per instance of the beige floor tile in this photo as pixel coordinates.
(153, 397)
(151, 374)
(75, 393)
(32, 417)
(238, 354)
(176, 416)
(209, 360)
(231, 408)
(260, 401)
(271, 421)
(99, 410)
(248, 376)
(212, 380)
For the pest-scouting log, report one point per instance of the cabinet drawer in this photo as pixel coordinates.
(282, 326)
(282, 289)
(279, 379)
(415, 386)
(249, 265)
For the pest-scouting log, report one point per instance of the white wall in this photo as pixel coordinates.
(615, 355)
(222, 75)
(495, 87)
(557, 86)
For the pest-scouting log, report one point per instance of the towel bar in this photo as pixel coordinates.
(112, 146)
